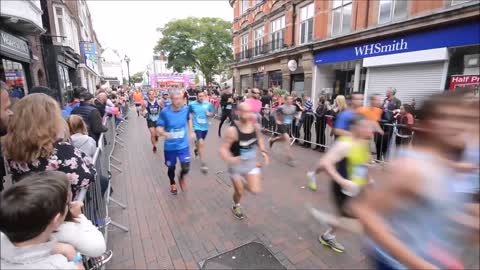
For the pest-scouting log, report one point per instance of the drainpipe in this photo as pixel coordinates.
(366, 15)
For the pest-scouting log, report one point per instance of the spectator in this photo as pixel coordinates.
(321, 123)
(31, 211)
(390, 105)
(405, 121)
(255, 103)
(307, 118)
(101, 102)
(297, 102)
(79, 135)
(17, 92)
(341, 127)
(34, 146)
(5, 114)
(266, 98)
(43, 90)
(91, 115)
(77, 93)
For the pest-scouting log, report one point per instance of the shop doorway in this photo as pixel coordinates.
(298, 83)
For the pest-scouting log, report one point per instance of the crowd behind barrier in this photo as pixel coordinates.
(310, 130)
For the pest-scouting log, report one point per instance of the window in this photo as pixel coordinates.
(341, 16)
(306, 24)
(277, 29)
(391, 10)
(258, 2)
(244, 6)
(258, 41)
(243, 46)
(60, 27)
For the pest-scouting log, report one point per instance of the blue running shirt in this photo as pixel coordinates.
(199, 111)
(153, 110)
(175, 123)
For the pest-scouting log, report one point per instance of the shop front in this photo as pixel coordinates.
(15, 61)
(416, 64)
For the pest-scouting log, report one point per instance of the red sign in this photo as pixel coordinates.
(470, 82)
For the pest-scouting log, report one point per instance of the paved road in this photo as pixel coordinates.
(179, 231)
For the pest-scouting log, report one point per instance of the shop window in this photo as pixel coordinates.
(244, 6)
(306, 23)
(277, 28)
(244, 46)
(258, 80)
(14, 74)
(392, 10)
(275, 79)
(341, 17)
(244, 83)
(258, 41)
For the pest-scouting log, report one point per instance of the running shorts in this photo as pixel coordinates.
(171, 156)
(138, 104)
(284, 129)
(246, 167)
(151, 124)
(340, 199)
(201, 134)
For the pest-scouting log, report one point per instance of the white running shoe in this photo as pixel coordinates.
(312, 181)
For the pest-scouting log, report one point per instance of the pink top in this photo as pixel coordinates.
(255, 104)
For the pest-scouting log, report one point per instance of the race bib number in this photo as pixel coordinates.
(202, 120)
(178, 133)
(153, 117)
(287, 119)
(248, 153)
(228, 107)
(359, 174)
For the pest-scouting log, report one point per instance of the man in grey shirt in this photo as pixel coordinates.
(284, 118)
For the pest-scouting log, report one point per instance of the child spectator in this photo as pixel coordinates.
(31, 211)
(79, 135)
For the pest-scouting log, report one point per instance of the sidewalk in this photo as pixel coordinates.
(169, 231)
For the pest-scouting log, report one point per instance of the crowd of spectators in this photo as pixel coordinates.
(49, 153)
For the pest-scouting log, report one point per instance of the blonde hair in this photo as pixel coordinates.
(341, 103)
(33, 128)
(76, 125)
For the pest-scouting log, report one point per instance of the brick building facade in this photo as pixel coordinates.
(281, 43)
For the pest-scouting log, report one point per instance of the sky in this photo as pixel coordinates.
(130, 26)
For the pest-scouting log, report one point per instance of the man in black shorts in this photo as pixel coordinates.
(151, 110)
(285, 114)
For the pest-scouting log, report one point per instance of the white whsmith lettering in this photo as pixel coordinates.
(376, 48)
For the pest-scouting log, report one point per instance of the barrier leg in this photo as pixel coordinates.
(116, 168)
(121, 144)
(118, 225)
(116, 159)
(123, 206)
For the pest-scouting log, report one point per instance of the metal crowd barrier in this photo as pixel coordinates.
(318, 132)
(97, 197)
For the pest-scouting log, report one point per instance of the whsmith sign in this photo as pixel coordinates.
(451, 36)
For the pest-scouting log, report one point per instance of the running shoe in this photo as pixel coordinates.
(332, 243)
(312, 181)
(173, 189)
(181, 181)
(204, 168)
(237, 212)
(97, 263)
(195, 151)
(154, 149)
(270, 142)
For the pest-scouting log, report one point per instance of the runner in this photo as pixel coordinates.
(285, 114)
(151, 110)
(200, 111)
(138, 99)
(172, 124)
(345, 162)
(239, 150)
(165, 100)
(226, 102)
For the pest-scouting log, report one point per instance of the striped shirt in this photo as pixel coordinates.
(308, 105)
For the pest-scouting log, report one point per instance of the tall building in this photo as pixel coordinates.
(344, 46)
(21, 60)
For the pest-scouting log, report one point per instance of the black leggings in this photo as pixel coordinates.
(225, 114)
(185, 168)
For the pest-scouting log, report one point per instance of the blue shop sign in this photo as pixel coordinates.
(89, 55)
(451, 36)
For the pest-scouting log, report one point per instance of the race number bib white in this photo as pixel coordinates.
(228, 107)
(202, 120)
(359, 174)
(178, 133)
(248, 153)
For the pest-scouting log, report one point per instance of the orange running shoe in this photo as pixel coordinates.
(173, 189)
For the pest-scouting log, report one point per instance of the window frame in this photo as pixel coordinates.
(279, 31)
(257, 52)
(244, 39)
(392, 16)
(60, 35)
(244, 6)
(309, 20)
(341, 7)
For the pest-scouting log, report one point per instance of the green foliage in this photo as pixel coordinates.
(203, 44)
(137, 77)
(280, 92)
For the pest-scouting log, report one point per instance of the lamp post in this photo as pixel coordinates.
(127, 60)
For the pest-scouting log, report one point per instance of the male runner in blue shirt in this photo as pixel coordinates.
(200, 110)
(172, 125)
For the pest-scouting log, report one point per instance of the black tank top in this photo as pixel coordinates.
(245, 145)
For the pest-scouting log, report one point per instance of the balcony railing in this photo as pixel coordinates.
(260, 50)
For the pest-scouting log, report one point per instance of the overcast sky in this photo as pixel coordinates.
(130, 26)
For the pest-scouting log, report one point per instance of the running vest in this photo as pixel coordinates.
(246, 145)
(153, 111)
(354, 166)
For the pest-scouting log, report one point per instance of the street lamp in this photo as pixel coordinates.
(127, 60)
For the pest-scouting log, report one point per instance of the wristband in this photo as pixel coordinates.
(78, 258)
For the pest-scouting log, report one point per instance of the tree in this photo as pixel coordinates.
(137, 77)
(203, 44)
